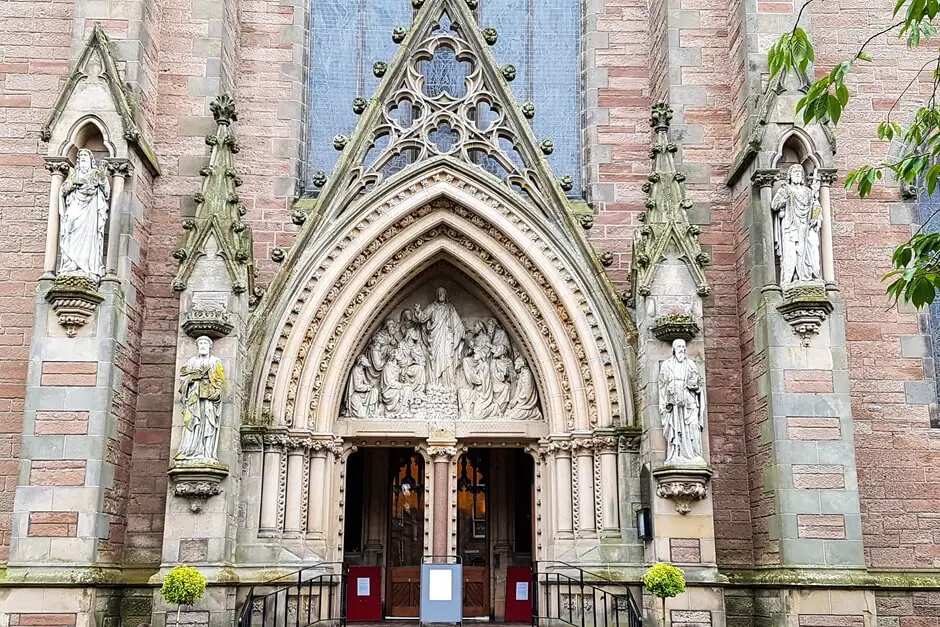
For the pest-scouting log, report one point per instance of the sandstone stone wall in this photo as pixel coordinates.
(179, 54)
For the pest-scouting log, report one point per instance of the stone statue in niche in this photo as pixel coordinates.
(202, 382)
(797, 223)
(83, 211)
(682, 407)
(429, 362)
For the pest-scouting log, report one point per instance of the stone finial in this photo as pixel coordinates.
(547, 146)
(490, 36)
(223, 109)
(528, 110)
(399, 34)
(566, 183)
(379, 68)
(359, 105)
(660, 118)
(666, 224)
(509, 72)
(319, 178)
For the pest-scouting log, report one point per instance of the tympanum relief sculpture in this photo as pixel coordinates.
(797, 224)
(682, 407)
(83, 212)
(428, 361)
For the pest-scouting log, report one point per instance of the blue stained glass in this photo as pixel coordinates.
(541, 38)
(928, 206)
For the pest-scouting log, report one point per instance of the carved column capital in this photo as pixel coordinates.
(442, 452)
(119, 167)
(827, 176)
(57, 166)
(764, 178)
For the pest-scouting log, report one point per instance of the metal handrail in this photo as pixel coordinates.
(575, 613)
(277, 603)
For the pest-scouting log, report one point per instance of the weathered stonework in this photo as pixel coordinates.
(818, 432)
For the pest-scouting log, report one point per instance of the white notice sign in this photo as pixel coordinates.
(362, 586)
(522, 591)
(440, 585)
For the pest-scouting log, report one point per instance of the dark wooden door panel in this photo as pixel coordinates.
(476, 591)
(404, 591)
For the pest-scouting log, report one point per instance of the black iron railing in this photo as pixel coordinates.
(310, 596)
(568, 594)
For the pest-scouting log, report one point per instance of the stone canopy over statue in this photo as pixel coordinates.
(797, 224)
(429, 362)
(83, 212)
(682, 407)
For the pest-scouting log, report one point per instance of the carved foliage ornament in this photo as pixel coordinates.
(314, 327)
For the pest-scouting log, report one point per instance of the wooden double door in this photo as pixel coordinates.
(406, 532)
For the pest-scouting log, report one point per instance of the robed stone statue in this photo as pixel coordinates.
(797, 222)
(83, 212)
(443, 330)
(202, 382)
(682, 407)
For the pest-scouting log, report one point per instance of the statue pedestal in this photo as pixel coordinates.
(74, 299)
(805, 307)
(197, 481)
(682, 484)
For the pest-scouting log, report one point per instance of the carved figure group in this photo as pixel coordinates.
(797, 224)
(427, 361)
(83, 212)
(201, 384)
(682, 407)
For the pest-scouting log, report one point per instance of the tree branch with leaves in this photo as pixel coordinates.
(915, 276)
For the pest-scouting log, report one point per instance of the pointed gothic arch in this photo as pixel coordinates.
(580, 342)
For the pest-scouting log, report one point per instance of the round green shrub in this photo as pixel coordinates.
(664, 580)
(183, 585)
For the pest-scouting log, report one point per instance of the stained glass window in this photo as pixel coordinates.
(541, 38)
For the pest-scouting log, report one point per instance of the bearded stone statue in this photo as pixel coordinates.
(83, 211)
(797, 222)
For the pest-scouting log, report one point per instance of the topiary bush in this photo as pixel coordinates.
(664, 581)
(183, 585)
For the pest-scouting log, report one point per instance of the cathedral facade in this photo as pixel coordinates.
(313, 295)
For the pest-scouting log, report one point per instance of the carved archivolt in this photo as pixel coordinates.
(280, 383)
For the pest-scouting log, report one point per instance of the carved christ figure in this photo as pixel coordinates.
(797, 222)
(202, 381)
(443, 333)
(83, 211)
(682, 407)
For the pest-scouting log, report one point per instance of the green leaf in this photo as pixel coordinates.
(842, 92)
(834, 109)
(864, 56)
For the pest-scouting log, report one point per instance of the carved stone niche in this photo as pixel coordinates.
(805, 307)
(197, 482)
(209, 318)
(682, 484)
(74, 299)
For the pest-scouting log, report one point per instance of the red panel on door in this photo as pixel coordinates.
(519, 594)
(364, 593)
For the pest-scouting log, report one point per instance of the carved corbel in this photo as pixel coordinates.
(682, 484)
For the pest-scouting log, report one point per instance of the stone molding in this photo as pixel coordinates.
(74, 300)
(99, 44)
(197, 482)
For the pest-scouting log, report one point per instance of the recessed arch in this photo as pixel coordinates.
(89, 132)
(290, 376)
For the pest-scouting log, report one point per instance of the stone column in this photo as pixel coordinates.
(59, 168)
(319, 489)
(763, 180)
(442, 454)
(564, 521)
(608, 490)
(297, 447)
(826, 178)
(119, 169)
(584, 458)
(270, 483)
